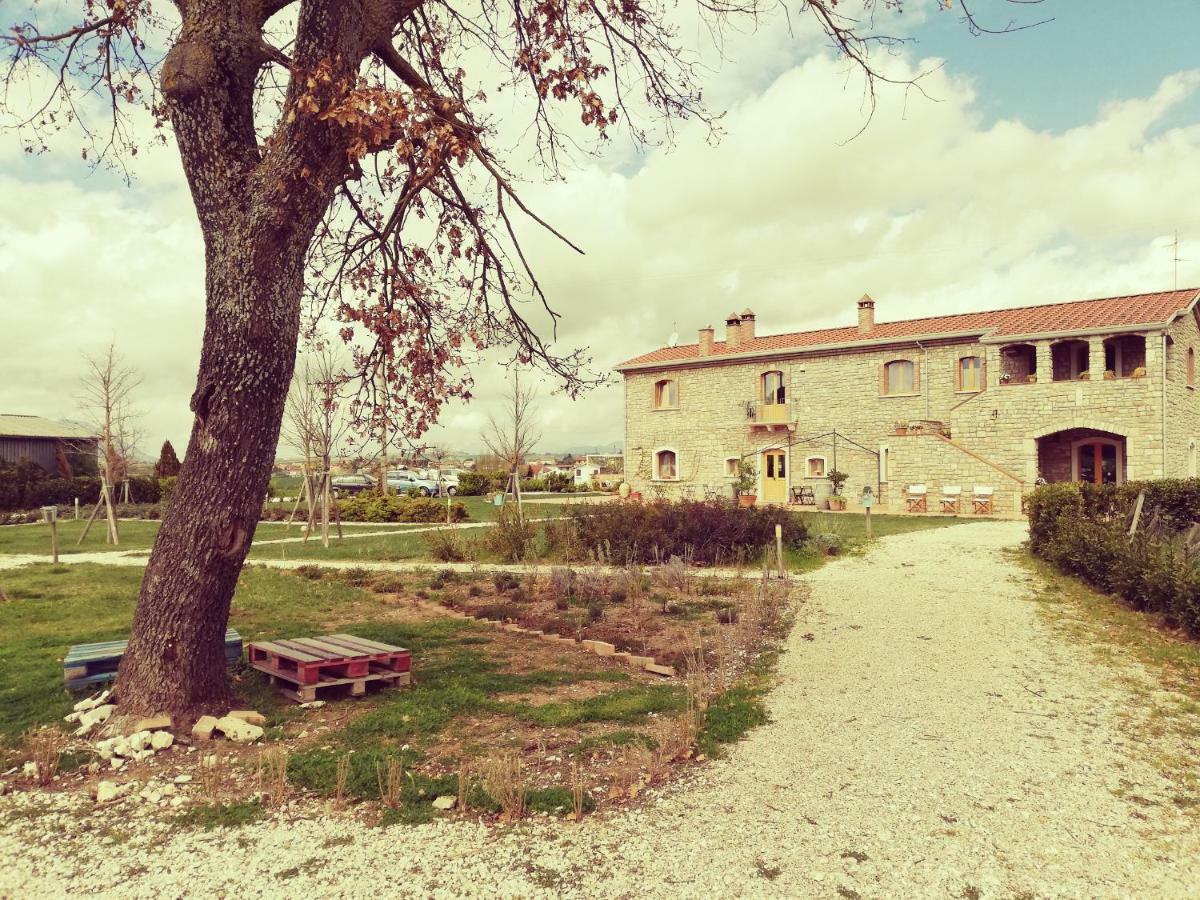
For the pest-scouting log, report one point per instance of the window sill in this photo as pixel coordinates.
(900, 396)
(665, 409)
(969, 391)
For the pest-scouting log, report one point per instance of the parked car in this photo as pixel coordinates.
(351, 484)
(402, 484)
(447, 481)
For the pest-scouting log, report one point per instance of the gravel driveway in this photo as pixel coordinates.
(932, 737)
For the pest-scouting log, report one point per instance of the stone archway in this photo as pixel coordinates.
(1081, 453)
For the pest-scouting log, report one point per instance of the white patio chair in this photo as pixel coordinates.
(916, 497)
(951, 498)
(983, 503)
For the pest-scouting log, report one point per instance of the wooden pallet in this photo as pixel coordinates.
(88, 664)
(333, 663)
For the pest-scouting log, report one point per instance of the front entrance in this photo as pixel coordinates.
(774, 476)
(1096, 462)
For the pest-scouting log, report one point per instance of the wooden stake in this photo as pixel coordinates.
(779, 550)
(76, 509)
(88, 524)
(1137, 513)
(114, 536)
(867, 510)
(54, 539)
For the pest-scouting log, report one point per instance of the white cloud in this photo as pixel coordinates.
(930, 210)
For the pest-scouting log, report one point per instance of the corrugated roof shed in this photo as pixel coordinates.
(17, 425)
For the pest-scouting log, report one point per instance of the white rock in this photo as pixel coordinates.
(312, 704)
(139, 740)
(161, 740)
(121, 747)
(210, 761)
(182, 779)
(92, 702)
(29, 770)
(239, 731)
(177, 801)
(104, 753)
(446, 802)
(107, 791)
(116, 762)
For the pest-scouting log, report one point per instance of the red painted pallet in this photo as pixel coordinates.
(330, 661)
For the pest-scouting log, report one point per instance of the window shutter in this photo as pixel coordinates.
(983, 372)
(916, 377)
(883, 373)
(958, 374)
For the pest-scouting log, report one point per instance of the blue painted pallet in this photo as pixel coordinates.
(87, 664)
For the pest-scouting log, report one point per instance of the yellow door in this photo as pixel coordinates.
(775, 480)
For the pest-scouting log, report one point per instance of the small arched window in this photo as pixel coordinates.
(1191, 366)
(899, 377)
(814, 467)
(664, 465)
(970, 373)
(773, 390)
(666, 394)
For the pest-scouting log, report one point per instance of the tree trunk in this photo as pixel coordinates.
(176, 658)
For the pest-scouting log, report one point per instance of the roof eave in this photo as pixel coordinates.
(799, 351)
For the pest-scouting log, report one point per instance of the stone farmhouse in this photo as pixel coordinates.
(1095, 390)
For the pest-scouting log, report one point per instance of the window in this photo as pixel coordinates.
(731, 466)
(773, 391)
(899, 377)
(970, 373)
(814, 467)
(666, 395)
(1191, 367)
(664, 465)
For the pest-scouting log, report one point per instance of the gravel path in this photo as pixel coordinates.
(931, 738)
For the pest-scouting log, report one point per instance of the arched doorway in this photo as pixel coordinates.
(1082, 454)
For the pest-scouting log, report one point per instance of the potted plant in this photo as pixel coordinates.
(1109, 375)
(1032, 379)
(1005, 377)
(838, 479)
(901, 428)
(744, 483)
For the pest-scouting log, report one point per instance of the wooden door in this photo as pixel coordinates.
(774, 477)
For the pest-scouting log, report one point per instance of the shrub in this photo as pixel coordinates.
(372, 507)
(511, 538)
(166, 488)
(445, 545)
(475, 484)
(827, 544)
(505, 581)
(708, 532)
(1082, 529)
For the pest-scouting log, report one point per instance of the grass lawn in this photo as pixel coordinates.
(851, 531)
(477, 692)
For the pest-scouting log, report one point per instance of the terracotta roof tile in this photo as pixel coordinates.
(1054, 318)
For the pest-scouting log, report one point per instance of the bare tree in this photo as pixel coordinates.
(513, 437)
(107, 385)
(316, 423)
(344, 154)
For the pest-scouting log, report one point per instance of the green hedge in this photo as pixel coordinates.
(372, 507)
(26, 487)
(1083, 530)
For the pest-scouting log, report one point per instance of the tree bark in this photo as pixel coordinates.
(176, 659)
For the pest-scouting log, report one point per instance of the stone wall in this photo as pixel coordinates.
(1182, 401)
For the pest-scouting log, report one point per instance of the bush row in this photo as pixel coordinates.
(1083, 530)
(475, 484)
(20, 491)
(372, 507)
(708, 532)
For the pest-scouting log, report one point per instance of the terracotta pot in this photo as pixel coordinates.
(901, 429)
(837, 505)
(747, 499)
(635, 495)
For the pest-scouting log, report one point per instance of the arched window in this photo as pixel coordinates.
(814, 467)
(731, 466)
(773, 390)
(1191, 366)
(666, 394)
(970, 373)
(899, 377)
(664, 465)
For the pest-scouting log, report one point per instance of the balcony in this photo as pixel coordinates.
(771, 416)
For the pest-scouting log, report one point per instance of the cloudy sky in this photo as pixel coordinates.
(1049, 164)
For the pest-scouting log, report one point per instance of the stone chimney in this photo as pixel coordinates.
(747, 326)
(866, 314)
(706, 340)
(733, 331)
